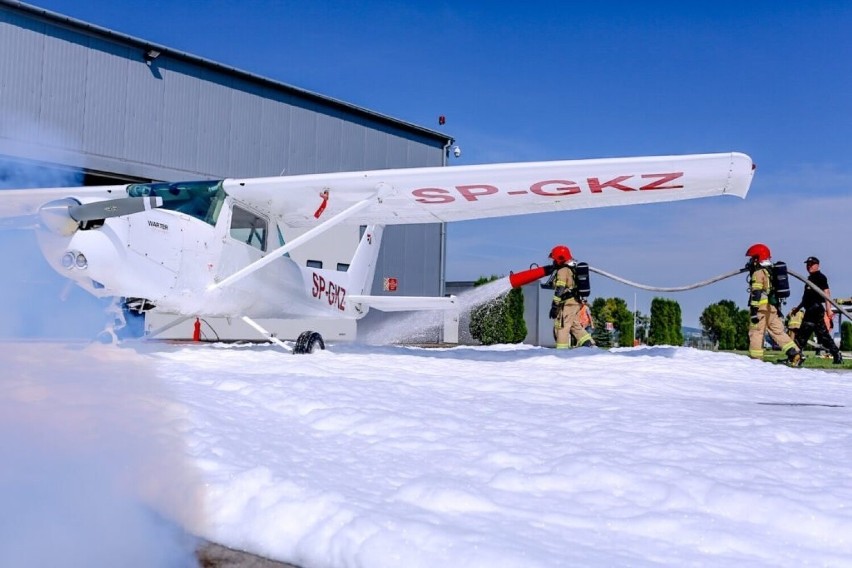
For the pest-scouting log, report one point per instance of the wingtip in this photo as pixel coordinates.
(742, 174)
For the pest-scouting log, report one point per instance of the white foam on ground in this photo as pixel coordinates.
(381, 457)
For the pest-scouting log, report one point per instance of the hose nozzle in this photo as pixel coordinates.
(521, 278)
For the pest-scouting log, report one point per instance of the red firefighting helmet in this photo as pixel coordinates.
(759, 251)
(561, 254)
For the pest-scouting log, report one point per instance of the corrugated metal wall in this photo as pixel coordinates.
(85, 97)
(98, 97)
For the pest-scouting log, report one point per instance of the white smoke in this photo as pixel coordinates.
(94, 470)
(24, 174)
(37, 302)
(425, 326)
(37, 154)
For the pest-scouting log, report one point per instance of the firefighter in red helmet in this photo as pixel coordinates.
(763, 308)
(567, 302)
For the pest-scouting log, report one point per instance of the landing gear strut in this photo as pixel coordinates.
(308, 341)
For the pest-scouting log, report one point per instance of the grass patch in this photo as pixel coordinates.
(811, 360)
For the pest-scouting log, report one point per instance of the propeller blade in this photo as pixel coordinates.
(100, 210)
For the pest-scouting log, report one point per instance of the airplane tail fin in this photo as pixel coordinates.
(362, 269)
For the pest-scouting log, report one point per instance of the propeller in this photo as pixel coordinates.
(64, 216)
(100, 210)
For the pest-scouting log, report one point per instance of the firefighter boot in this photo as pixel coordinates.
(794, 357)
(838, 358)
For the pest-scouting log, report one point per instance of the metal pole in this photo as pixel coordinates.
(634, 319)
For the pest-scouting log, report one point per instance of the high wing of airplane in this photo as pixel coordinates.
(216, 248)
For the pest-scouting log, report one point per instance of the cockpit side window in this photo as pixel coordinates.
(249, 228)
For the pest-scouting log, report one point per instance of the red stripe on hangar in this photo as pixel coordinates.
(551, 188)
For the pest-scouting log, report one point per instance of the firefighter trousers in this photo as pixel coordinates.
(768, 321)
(814, 323)
(568, 321)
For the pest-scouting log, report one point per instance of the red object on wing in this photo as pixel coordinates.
(321, 208)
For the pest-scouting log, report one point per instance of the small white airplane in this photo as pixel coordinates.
(216, 248)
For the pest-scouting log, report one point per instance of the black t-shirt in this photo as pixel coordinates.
(810, 297)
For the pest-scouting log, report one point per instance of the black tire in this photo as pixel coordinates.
(308, 342)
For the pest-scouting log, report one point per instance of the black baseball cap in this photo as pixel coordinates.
(811, 260)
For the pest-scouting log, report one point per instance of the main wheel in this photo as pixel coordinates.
(308, 342)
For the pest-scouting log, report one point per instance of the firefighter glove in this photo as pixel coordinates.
(752, 315)
(554, 311)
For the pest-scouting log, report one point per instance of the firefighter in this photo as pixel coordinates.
(763, 308)
(794, 323)
(567, 302)
(817, 320)
(585, 318)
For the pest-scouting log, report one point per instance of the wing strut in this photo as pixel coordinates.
(267, 334)
(318, 230)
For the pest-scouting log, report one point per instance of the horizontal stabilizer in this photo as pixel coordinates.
(405, 303)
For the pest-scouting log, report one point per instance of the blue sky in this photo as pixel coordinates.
(560, 80)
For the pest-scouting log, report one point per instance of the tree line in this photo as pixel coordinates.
(727, 325)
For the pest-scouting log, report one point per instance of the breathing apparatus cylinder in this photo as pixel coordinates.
(518, 279)
(581, 277)
(782, 280)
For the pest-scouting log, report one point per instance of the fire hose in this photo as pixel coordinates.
(716, 279)
(534, 273)
(666, 289)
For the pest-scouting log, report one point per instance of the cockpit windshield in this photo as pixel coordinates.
(200, 199)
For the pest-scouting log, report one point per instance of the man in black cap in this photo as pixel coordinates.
(816, 307)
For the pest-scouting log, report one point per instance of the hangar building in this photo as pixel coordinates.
(91, 106)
